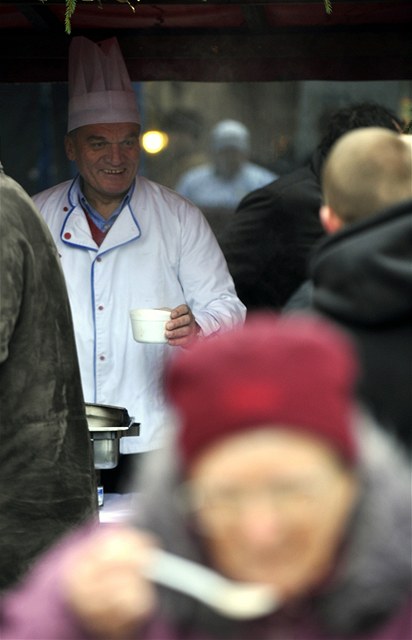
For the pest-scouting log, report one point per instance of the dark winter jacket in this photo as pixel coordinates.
(362, 279)
(268, 239)
(46, 464)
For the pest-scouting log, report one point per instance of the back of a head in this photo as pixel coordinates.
(356, 116)
(366, 171)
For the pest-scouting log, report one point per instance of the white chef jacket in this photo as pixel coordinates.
(160, 252)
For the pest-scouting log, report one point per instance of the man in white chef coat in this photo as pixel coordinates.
(126, 242)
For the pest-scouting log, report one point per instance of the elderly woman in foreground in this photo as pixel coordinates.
(275, 477)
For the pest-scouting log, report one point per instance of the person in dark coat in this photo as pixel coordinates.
(268, 240)
(362, 274)
(274, 476)
(47, 472)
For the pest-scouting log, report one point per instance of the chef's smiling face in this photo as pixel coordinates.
(107, 157)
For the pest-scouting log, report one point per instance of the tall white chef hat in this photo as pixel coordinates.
(99, 85)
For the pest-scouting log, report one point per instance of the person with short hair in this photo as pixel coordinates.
(366, 174)
(361, 274)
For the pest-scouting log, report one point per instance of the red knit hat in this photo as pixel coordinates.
(294, 371)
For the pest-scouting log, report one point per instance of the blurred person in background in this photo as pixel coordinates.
(126, 242)
(275, 476)
(47, 472)
(361, 274)
(268, 241)
(218, 186)
(184, 128)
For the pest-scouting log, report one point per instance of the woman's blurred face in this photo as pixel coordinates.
(273, 506)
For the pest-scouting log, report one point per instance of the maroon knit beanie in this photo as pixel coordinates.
(294, 371)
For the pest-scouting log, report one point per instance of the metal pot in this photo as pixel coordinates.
(107, 424)
(101, 417)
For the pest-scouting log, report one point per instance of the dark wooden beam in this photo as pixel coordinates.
(40, 16)
(333, 54)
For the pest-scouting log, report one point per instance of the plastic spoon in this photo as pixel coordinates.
(232, 599)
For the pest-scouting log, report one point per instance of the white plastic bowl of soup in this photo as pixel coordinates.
(149, 325)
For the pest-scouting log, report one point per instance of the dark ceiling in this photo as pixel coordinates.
(206, 40)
